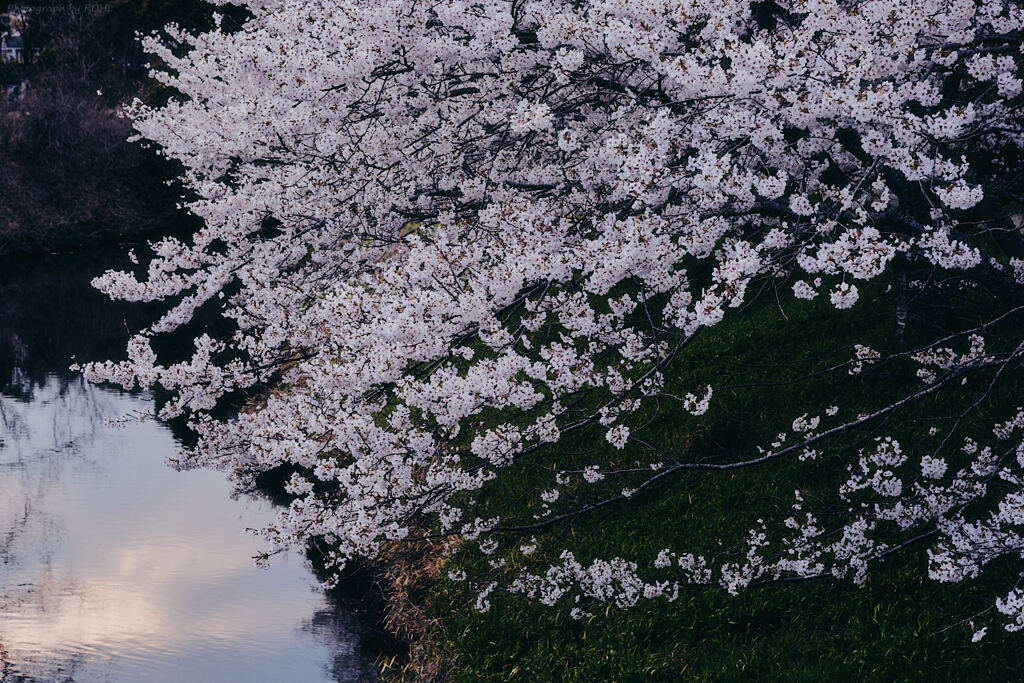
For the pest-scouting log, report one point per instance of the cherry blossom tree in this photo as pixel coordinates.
(445, 239)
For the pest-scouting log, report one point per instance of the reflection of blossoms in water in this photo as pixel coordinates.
(103, 573)
(340, 631)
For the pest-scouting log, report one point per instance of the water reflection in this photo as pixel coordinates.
(112, 566)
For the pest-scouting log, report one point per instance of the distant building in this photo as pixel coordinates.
(12, 48)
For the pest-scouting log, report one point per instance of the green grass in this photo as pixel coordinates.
(894, 627)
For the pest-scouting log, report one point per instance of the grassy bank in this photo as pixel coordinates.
(899, 625)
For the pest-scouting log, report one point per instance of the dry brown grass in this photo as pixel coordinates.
(411, 571)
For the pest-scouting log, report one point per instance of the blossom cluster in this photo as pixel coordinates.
(438, 238)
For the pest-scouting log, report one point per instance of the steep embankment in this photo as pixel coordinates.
(69, 177)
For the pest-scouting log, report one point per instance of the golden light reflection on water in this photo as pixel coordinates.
(114, 567)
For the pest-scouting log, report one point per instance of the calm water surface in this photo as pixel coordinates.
(113, 567)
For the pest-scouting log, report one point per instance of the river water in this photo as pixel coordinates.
(114, 567)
